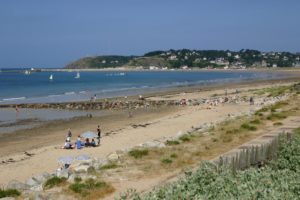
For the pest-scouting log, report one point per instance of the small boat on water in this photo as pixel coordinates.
(77, 75)
(51, 77)
(27, 72)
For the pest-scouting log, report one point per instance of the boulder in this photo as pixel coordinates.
(14, 184)
(81, 168)
(32, 182)
(154, 144)
(71, 178)
(41, 178)
(100, 162)
(113, 157)
(37, 188)
(63, 173)
(41, 196)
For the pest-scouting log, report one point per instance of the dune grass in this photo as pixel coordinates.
(138, 153)
(111, 165)
(91, 188)
(54, 181)
(9, 193)
(172, 142)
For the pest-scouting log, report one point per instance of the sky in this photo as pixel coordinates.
(52, 33)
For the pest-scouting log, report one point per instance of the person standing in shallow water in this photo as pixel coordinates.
(99, 134)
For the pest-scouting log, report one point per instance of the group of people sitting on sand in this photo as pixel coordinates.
(82, 142)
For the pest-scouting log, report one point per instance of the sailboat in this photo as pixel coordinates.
(51, 77)
(77, 75)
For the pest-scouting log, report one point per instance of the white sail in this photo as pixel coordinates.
(77, 75)
(51, 77)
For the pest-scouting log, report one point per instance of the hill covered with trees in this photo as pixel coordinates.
(186, 58)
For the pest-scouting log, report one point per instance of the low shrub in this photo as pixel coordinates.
(173, 155)
(138, 153)
(9, 193)
(277, 124)
(185, 138)
(109, 166)
(77, 179)
(275, 116)
(172, 142)
(255, 121)
(248, 127)
(54, 181)
(89, 186)
(166, 161)
(91, 170)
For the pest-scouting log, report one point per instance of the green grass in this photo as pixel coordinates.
(173, 155)
(9, 193)
(248, 127)
(172, 142)
(54, 181)
(274, 91)
(138, 153)
(91, 170)
(277, 124)
(185, 138)
(275, 116)
(166, 161)
(77, 179)
(234, 131)
(88, 186)
(109, 166)
(255, 121)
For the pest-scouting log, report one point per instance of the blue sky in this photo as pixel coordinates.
(51, 33)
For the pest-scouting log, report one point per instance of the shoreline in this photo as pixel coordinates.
(287, 69)
(83, 95)
(69, 105)
(121, 104)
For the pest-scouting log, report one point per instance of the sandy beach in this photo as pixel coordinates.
(44, 143)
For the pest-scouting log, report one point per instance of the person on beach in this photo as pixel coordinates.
(87, 142)
(251, 101)
(78, 142)
(93, 143)
(67, 145)
(69, 133)
(17, 109)
(99, 134)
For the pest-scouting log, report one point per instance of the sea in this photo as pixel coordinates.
(18, 87)
(36, 87)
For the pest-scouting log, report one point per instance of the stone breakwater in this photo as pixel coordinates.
(101, 105)
(117, 104)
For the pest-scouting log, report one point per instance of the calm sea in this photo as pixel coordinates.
(17, 87)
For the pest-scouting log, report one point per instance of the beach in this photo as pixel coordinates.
(43, 144)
